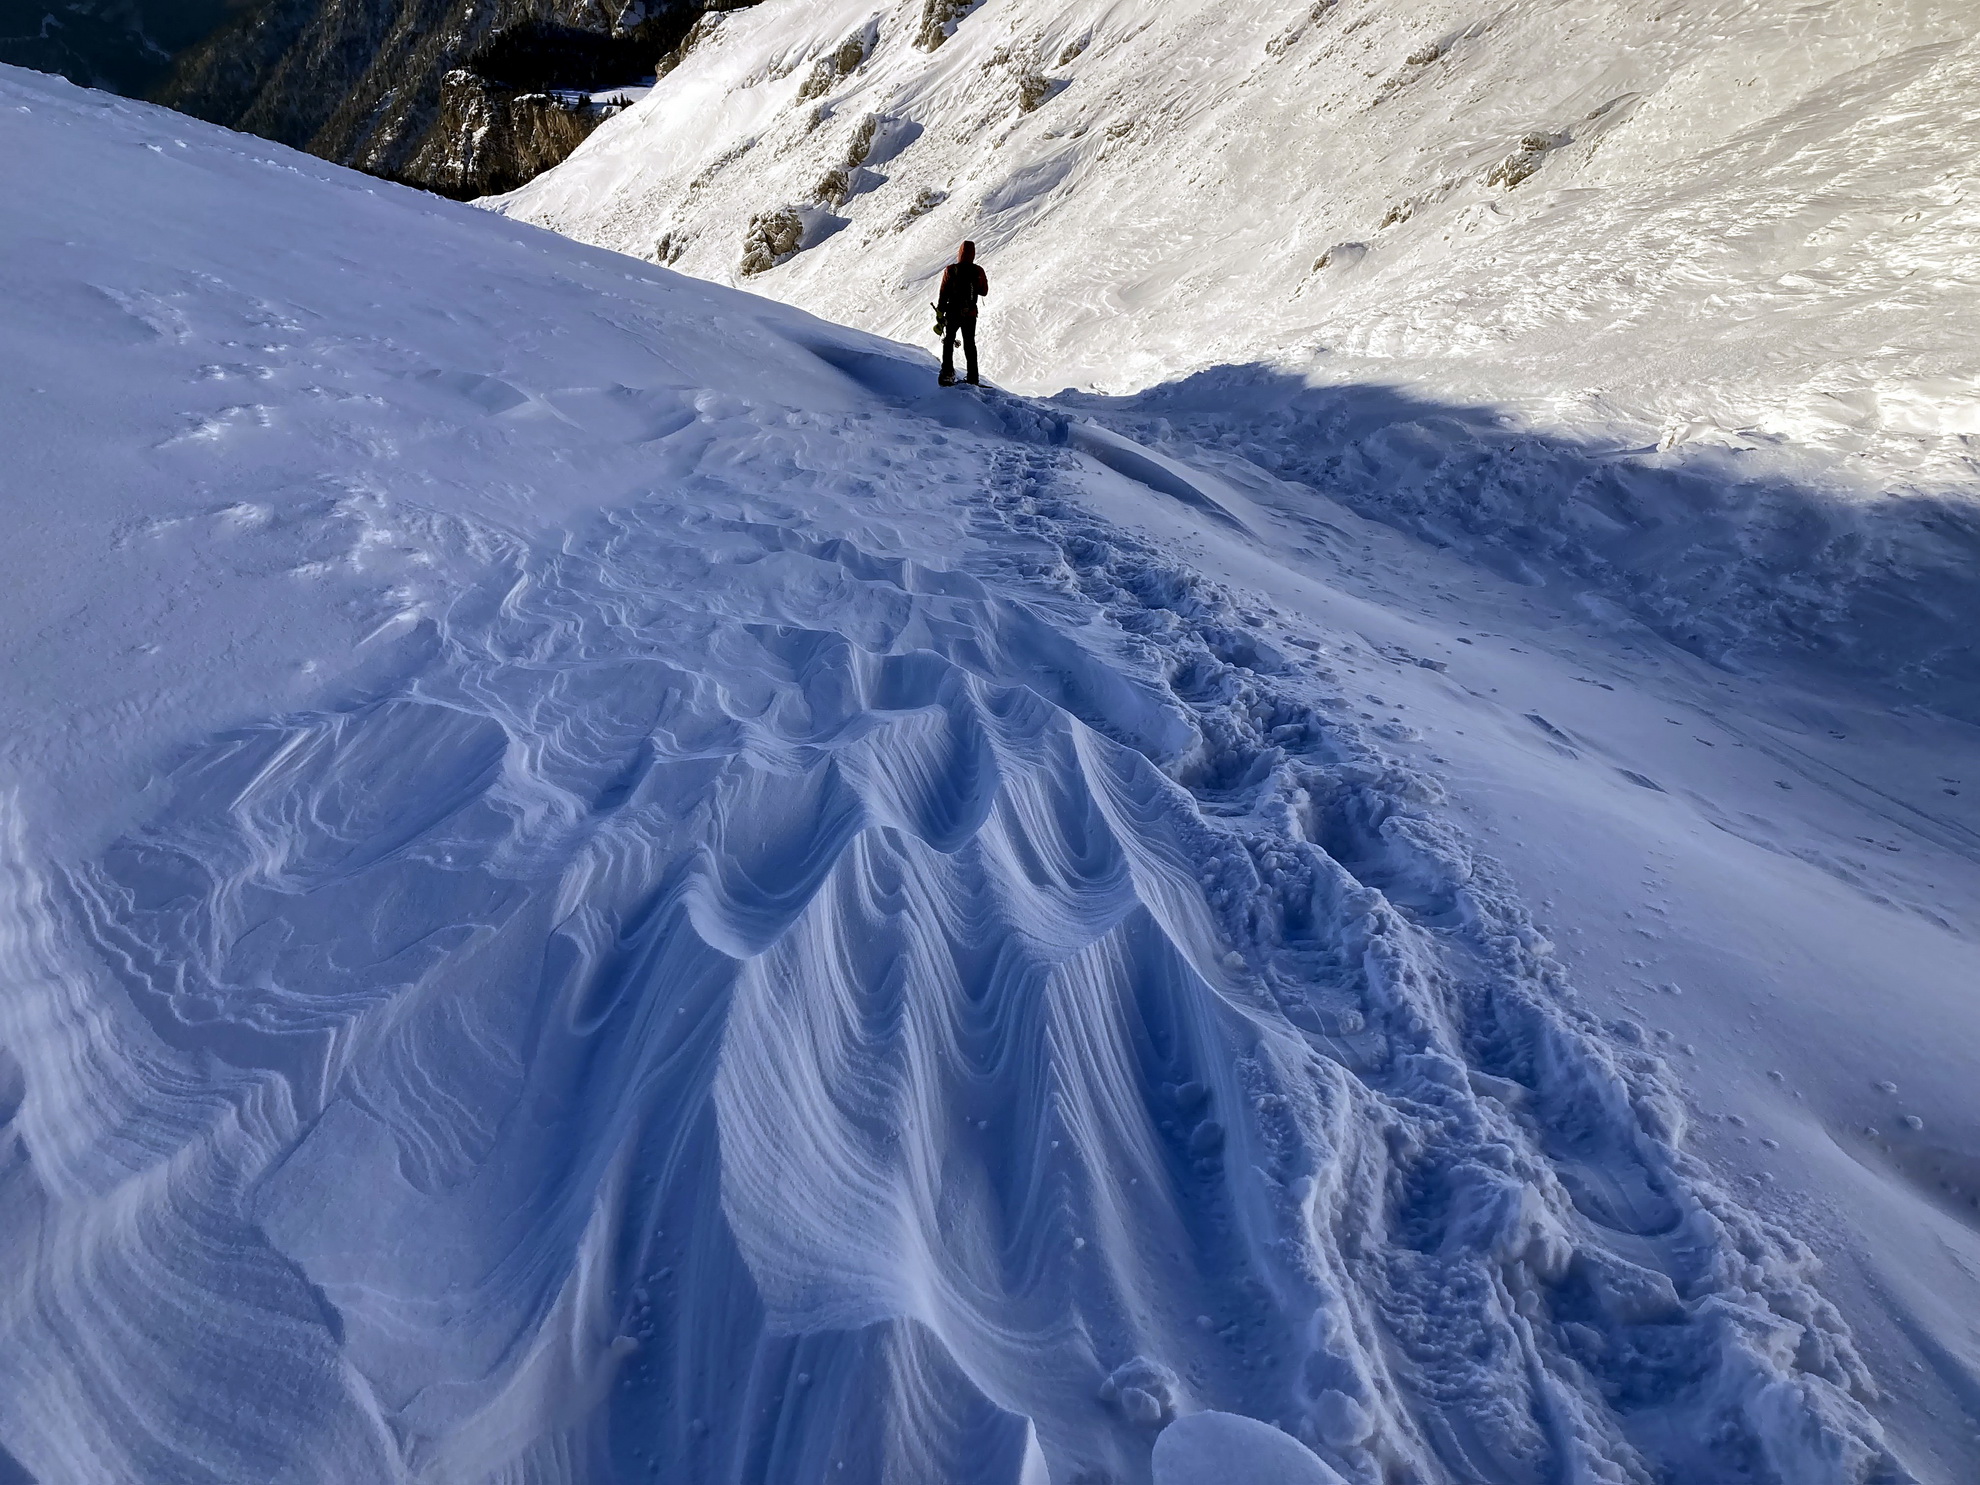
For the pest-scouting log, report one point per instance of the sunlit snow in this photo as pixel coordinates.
(601, 882)
(1746, 223)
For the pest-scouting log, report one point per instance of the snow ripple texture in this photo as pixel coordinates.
(743, 1007)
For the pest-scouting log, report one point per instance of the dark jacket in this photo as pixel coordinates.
(962, 285)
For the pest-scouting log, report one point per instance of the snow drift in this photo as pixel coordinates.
(599, 886)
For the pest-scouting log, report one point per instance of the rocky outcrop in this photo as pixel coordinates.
(490, 137)
(463, 97)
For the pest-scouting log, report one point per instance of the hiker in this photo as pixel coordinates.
(963, 283)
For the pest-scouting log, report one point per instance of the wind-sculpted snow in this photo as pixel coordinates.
(764, 940)
(751, 1008)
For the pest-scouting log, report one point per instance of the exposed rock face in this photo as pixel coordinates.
(460, 97)
(490, 137)
(772, 238)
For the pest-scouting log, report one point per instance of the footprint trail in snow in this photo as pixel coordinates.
(970, 1015)
(839, 963)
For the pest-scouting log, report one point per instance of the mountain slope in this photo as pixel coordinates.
(601, 883)
(1714, 220)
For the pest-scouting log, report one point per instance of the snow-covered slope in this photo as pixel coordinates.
(1745, 221)
(601, 884)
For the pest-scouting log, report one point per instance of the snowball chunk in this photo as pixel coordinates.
(1226, 1449)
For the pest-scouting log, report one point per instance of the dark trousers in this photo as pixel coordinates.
(967, 329)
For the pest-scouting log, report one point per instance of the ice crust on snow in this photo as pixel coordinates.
(602, 884)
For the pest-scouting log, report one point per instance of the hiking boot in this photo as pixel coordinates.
(946, 379)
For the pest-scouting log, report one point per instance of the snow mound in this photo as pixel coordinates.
(599, 883)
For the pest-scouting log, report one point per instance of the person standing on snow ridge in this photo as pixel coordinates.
(963, 283)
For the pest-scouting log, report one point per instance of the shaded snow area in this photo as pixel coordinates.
(1738, 223)
(602, 884)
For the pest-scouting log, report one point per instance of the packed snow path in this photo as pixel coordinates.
(600, 884)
